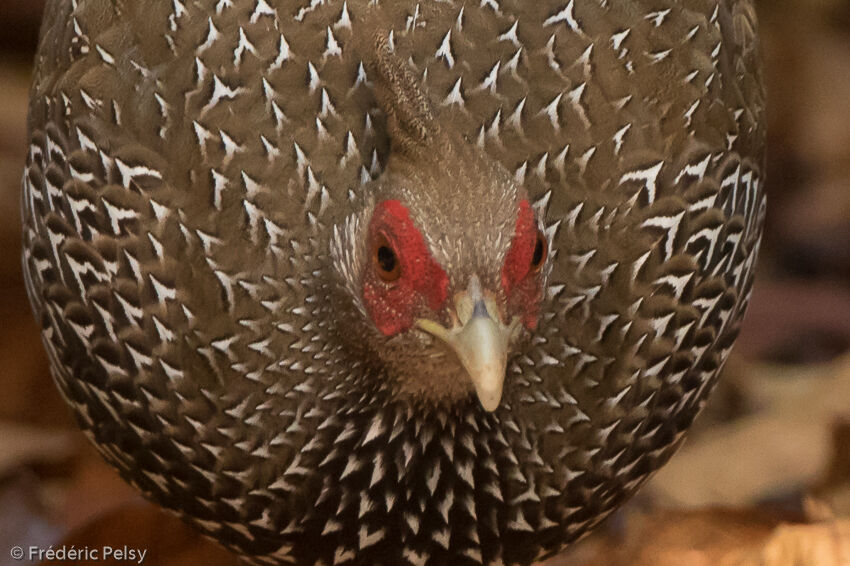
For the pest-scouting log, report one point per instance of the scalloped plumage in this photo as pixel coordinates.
(195, 169)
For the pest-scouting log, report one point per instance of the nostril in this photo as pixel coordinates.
(480, 309)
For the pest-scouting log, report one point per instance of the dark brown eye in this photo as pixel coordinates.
(540, 250)
(385, 260)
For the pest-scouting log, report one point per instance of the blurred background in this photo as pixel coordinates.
(764, 479)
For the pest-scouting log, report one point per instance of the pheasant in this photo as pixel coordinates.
(409, 282)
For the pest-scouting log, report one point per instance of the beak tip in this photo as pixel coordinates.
(490, 400)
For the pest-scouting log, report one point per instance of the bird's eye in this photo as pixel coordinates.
(538, 257)
(385, 260)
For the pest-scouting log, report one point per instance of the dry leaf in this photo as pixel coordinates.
(781, 449)
(825, 544)
(714, 537)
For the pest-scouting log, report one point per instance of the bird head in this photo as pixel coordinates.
(449, 274)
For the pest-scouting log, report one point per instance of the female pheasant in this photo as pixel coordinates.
(408, 282)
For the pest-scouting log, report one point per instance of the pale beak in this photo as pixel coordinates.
(481, 341)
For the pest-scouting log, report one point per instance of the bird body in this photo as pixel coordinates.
(373, 282)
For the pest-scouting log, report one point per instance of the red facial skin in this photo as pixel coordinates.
(520, 282)
(393, 305)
